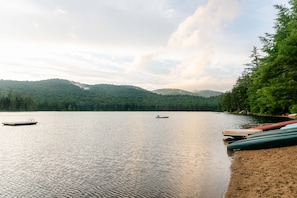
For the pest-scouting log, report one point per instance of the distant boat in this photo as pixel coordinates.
(162, 116)
(29, 122)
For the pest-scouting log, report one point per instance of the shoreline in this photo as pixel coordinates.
(263, 173)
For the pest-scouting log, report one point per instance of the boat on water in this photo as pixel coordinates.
(29, 122)
(162, 116)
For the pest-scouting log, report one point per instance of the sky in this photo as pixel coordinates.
(153, 44)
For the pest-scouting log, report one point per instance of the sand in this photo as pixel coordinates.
(264, 173)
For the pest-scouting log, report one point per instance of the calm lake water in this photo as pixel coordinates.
(116, 154)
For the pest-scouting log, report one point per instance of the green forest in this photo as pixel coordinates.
(63, 95)
(268, 84)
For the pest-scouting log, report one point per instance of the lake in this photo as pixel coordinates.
(116, 154)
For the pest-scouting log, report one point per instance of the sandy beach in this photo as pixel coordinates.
(264, 173)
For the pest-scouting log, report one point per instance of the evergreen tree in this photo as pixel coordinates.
(270, 82)
(273, 88)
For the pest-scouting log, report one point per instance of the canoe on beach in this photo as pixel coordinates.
(272, 126)
(283, 131)
(243, 133)
(240, 133)
(269, 139)
(290, 126)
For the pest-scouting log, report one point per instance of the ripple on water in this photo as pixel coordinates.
(113, 154)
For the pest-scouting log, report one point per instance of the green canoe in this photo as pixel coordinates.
(273, 132)
(269, 139)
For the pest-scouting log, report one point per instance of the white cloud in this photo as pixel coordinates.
(73, 36)
(198, 39)
(190, 44)
(140, 62)
(190, 67)
(198, 29)
(35, 25)
(59, 11)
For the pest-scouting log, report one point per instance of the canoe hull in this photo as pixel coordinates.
(276, 132)
(240, 132)
(18, 123)
(267, 139)
(274, 125)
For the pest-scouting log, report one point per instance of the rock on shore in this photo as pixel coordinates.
(264, 173)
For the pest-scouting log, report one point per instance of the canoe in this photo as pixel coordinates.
(240, 132)
(273, 132)
(264, 142)
(162, 116)
(19, 123)
(277, 125)
(270, 139)
(290, 126)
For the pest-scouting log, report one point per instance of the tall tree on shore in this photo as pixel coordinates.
(272, 79)
(237, 99)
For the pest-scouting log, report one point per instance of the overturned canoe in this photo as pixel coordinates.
(240, 132)
(275, 132)
(269, 139)
(272, 126)
(290, 126)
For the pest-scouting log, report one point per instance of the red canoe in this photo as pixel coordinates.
(277, 125)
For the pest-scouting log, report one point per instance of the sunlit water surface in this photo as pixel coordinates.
(116, 154)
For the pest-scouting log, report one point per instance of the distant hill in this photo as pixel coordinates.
(64, 95)
(173, 92)
(202, 93)
(208, 93)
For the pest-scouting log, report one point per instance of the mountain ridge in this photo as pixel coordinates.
(64, 95)
(202, 93)
(163, 91)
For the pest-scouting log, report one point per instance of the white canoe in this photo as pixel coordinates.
(240, 132)
(290, 126)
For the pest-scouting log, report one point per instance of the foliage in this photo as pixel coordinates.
(270, 86)
(202, 93)
(62, 95)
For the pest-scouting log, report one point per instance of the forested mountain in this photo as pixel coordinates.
(208, 93)
(202, 93)
(268, 85)
(57, 94)
(173, 92)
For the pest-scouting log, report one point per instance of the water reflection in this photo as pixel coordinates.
(116, 154)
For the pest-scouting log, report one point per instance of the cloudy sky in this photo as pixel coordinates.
(153, 44)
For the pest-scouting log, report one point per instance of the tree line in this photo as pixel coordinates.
(15, 101)
(268, 84)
